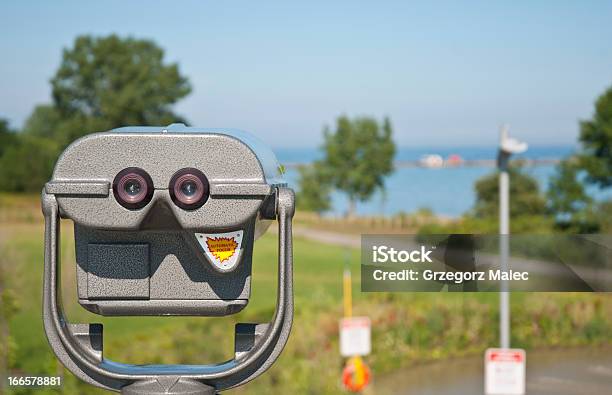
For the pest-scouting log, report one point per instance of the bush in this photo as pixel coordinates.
(26, 165)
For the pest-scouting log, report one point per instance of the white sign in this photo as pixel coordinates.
(505, 371)
(355, 336)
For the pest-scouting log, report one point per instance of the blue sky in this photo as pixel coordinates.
(446, 73)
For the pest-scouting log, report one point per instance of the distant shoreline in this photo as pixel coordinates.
(411, 164)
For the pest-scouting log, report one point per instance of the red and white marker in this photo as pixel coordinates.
(505, 371)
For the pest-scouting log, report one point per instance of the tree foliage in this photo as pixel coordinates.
(102, 83)
(596, 140)
(604, 212)
(525, 196)
(8, 137)
(568, 201)
(45, 121)
(26, 165)
(358, 156)
(314, 189)
(108, 82)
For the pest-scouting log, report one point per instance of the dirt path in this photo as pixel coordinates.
(326, 237)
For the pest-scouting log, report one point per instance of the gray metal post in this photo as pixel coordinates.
(504, 230)
(507, 147)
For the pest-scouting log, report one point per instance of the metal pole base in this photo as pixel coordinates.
(168, 385)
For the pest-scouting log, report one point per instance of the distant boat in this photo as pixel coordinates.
(454, 160)
(432, 161)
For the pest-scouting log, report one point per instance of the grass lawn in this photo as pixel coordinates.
(318, 271)
(408, 328)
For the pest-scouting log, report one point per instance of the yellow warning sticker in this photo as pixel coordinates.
(223, 250)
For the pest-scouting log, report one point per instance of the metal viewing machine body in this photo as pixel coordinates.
(165, 219)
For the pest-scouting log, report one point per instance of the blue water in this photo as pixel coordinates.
(446, 191)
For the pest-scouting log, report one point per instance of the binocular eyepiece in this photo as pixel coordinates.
(189, 188)
(133, 188)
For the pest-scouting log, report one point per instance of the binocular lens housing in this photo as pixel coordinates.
(189, 188)
(133, 188)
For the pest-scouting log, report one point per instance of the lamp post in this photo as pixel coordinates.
(507, 147)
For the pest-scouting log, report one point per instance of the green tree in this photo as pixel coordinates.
(604, 211)
(596, 140)
(8, 137)
(26, 165)
(108, 82)
(45, 121)
(358, 156)
(102, 83)
(525, 196)
(314, 189)
(573, 209)
(568, 201)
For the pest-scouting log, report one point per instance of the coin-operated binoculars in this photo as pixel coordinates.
(164, 222)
